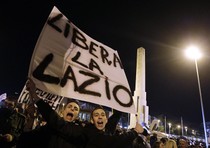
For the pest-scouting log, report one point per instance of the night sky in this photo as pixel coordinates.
(163, 29)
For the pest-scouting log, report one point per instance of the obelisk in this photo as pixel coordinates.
(139, 97)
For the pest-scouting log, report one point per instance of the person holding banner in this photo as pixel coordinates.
(45, 136)
(91, 136)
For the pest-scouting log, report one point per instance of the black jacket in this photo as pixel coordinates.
(46, 136)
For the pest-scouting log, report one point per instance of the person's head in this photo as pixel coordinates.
(10, 102)
(158, 144)
(99, 118)
(182, 143)
(71, 110)
(171, 144)
(138, 142)
(146, 134)
(155, 134)
(164, 140)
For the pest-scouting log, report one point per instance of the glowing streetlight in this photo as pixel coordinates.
(193, 52)
(165, 124)
(185, 129)
(178, 126)
(169, 128)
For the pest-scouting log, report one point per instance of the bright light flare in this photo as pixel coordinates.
(193, 52)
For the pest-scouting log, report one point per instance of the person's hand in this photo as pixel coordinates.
(8, 137)
(139, 129)
(31, 87)
(31, 110)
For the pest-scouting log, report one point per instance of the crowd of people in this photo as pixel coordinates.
(39, 126)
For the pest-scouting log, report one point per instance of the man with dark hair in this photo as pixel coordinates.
(111, 125)
(11, 123)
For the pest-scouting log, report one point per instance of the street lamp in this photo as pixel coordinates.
(194, 53)
(185, 129)
(165, 124)
(178, 126)
(169, 128)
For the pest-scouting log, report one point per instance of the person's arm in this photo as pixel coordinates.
(44, 108)
(52, 118)
(113, 121)
(138, 128)
(31, 87)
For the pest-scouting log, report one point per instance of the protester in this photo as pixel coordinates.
(170, 143)
(182, 143)
(164, 140)
(45, 136)
(11, 123)
(153, 139)
(142, 141)
(146, 137)
(158, 144)
(139, 142)
(90, 136)
(31, 114)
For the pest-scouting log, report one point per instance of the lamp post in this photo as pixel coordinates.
(182, 126)
(193, 52)
(178, 126)
(185, 130)
(165, 124)
(169, 128)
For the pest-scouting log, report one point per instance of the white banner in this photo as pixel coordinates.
(53, 100)
(69, 63)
